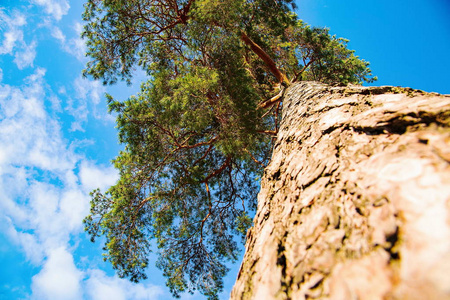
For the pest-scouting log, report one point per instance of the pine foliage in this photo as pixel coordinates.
(195, 136)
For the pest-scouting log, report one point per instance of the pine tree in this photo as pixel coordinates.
(200, 131)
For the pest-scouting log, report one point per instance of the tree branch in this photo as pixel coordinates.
(266, 58)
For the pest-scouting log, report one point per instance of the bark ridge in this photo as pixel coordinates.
(355, 203)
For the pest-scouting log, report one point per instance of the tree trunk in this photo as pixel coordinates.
(355, 203)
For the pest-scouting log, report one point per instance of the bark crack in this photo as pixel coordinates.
(286, 281)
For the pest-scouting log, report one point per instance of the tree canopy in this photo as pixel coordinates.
(200, 131)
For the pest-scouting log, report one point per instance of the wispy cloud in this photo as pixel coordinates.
(58, 34)
(26, 56)
(55, 8)
(10, 38)
(28, 135)
(88, 95)
(74, 45)
(12, 41)
(102, 287)
(32, 154)
(10, 27)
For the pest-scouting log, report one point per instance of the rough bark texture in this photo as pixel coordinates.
(355, 203)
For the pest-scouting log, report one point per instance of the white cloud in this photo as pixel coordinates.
(58, 34)
(17, 20)
(73, 206)
(11, 24)
(56, 213)
(32, 155)
(13, 183)
(93, 177)
(27, 134)
(46, 219)
(55, 8)
(88, 89)
(13, 42)
(34, 250)
(75, 45)
(59, 278)
(102, 287)
(10, 39)
(26, 57)
(55, 104)
(88, 97)
(78, 43)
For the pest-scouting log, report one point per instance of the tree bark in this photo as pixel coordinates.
(355, 203)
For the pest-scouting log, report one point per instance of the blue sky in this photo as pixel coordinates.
(57, 140)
